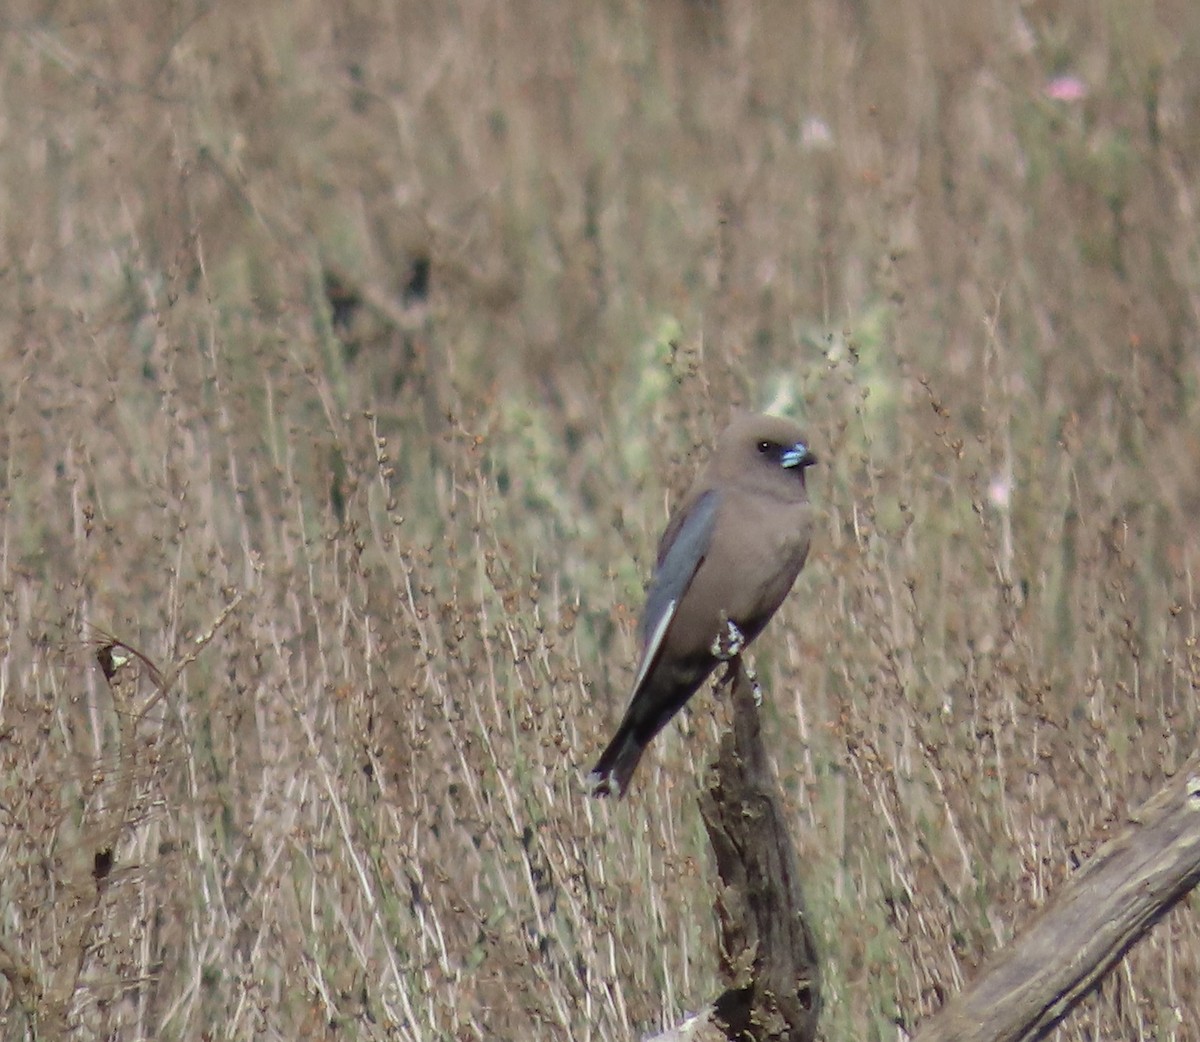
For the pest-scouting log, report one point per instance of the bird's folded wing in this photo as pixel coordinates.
(684, 547)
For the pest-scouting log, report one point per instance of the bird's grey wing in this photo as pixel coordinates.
(684, 547)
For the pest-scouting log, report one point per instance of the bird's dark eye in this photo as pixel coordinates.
(764, 447)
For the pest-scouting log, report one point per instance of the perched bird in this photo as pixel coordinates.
(729, 555)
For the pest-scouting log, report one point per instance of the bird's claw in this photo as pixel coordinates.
(752, 676)
(728, 643)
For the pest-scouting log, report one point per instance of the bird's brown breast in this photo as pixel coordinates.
(757, 551)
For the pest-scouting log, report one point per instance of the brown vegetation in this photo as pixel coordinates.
(397, 320)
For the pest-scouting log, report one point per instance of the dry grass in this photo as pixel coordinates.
(357, 812)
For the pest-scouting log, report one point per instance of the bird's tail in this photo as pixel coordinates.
(610, 776)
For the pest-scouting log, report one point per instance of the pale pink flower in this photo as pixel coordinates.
(1000, 493)
(815, 134)
(1066, 88)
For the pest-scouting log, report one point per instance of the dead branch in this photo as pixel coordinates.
(768, 954)
(1105, 909)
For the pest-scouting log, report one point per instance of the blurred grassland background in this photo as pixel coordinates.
(406, 322)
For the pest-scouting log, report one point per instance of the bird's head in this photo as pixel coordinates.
(769, 453)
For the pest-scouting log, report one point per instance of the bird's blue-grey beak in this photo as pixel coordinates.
(798, 455)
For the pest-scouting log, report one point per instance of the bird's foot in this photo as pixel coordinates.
(755, 686)
(728, 643)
